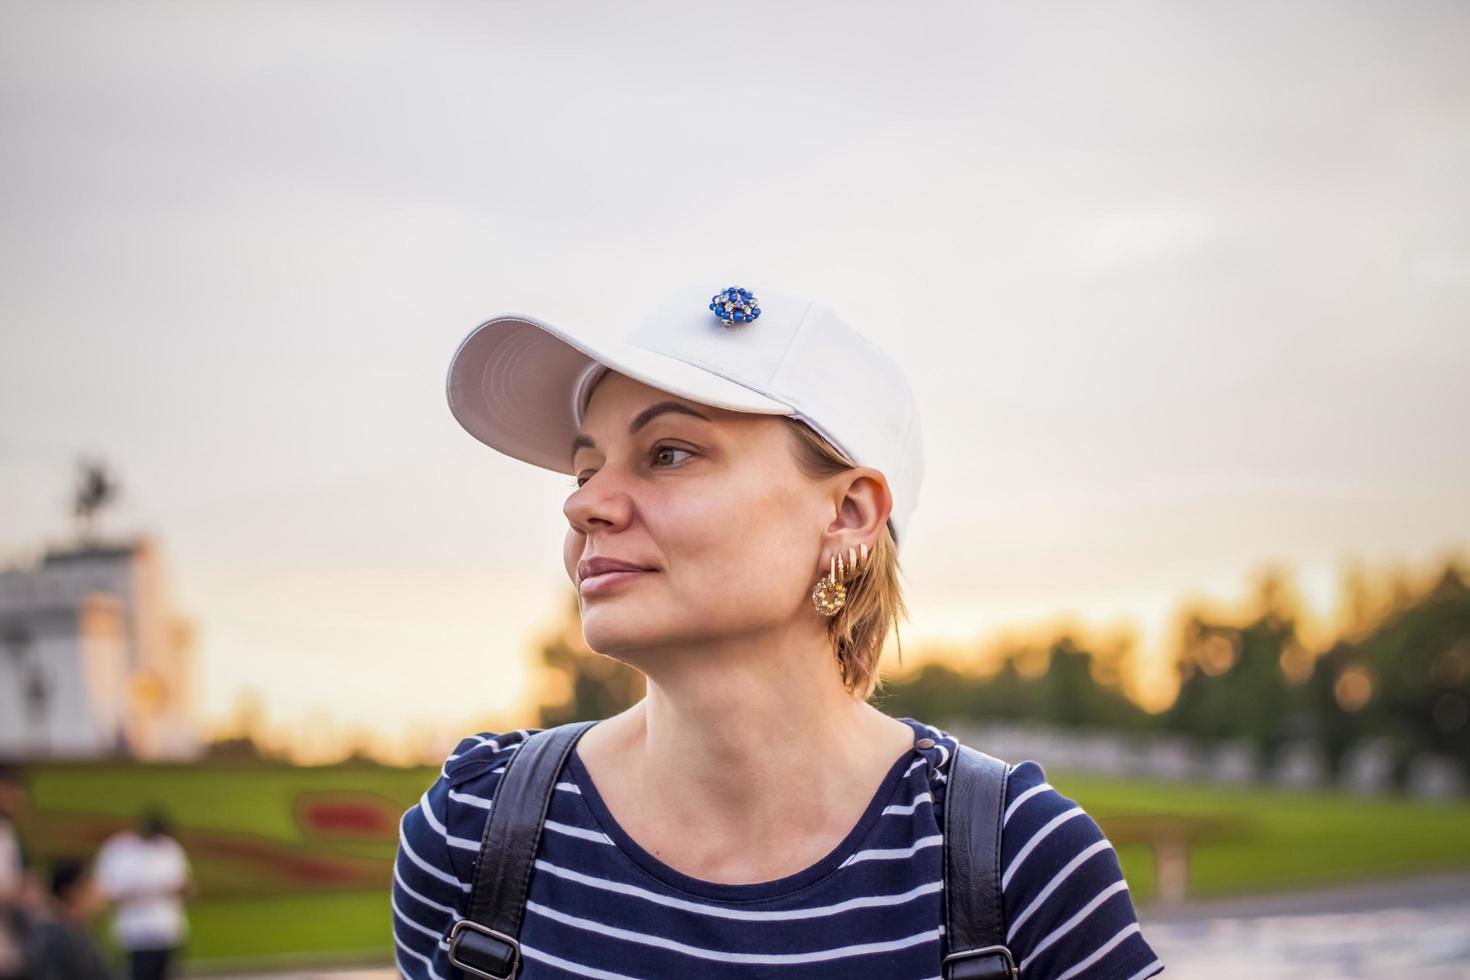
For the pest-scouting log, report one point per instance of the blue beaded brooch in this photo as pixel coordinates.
(734, 305)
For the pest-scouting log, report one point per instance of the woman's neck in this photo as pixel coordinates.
(727, 734)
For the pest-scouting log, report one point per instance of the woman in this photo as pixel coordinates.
(752, 815)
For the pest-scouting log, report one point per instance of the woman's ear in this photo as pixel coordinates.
(863, 504)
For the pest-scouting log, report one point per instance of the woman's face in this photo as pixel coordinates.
(709, 502)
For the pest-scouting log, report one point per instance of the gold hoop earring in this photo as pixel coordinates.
(830, 593)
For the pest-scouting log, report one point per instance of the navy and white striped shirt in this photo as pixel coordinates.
(602, 906)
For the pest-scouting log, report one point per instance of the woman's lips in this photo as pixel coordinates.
(611, 580)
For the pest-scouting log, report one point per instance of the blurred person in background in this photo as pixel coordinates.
(61, 947)
(20, 889)
(147, 877)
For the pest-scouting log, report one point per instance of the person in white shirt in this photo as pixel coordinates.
(147, 877)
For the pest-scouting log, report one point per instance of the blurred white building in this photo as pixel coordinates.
(94, 661)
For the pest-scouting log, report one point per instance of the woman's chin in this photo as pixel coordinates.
(613, 630)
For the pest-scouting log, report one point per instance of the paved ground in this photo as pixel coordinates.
(1417, 928)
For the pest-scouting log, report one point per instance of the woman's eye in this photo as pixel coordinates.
(660, 454)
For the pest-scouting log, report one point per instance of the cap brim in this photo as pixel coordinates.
(517, 384)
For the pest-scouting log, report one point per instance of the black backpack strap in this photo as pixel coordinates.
(974, 923)
(486, 943)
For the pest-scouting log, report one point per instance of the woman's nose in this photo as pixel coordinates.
(601, 502)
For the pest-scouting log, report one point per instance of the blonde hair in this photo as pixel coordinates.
(874, 594)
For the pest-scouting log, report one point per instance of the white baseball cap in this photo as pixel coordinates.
(521, 385)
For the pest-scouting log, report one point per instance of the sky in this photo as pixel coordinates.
(1183, 289)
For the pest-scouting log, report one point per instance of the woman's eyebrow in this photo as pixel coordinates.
(584, 441)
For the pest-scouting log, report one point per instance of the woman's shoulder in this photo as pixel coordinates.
(1067, 906)
(438, 838)
(442, 830)
(1040, 826)
(1031, 804)
(482, 754)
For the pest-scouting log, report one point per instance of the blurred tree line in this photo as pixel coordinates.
(1399, 671)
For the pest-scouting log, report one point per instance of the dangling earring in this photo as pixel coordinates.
(830, 594)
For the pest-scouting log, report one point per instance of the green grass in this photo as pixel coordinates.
(349, 921)
(239, 797)
(294, 930)
(246, 918)
(1289, 839)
